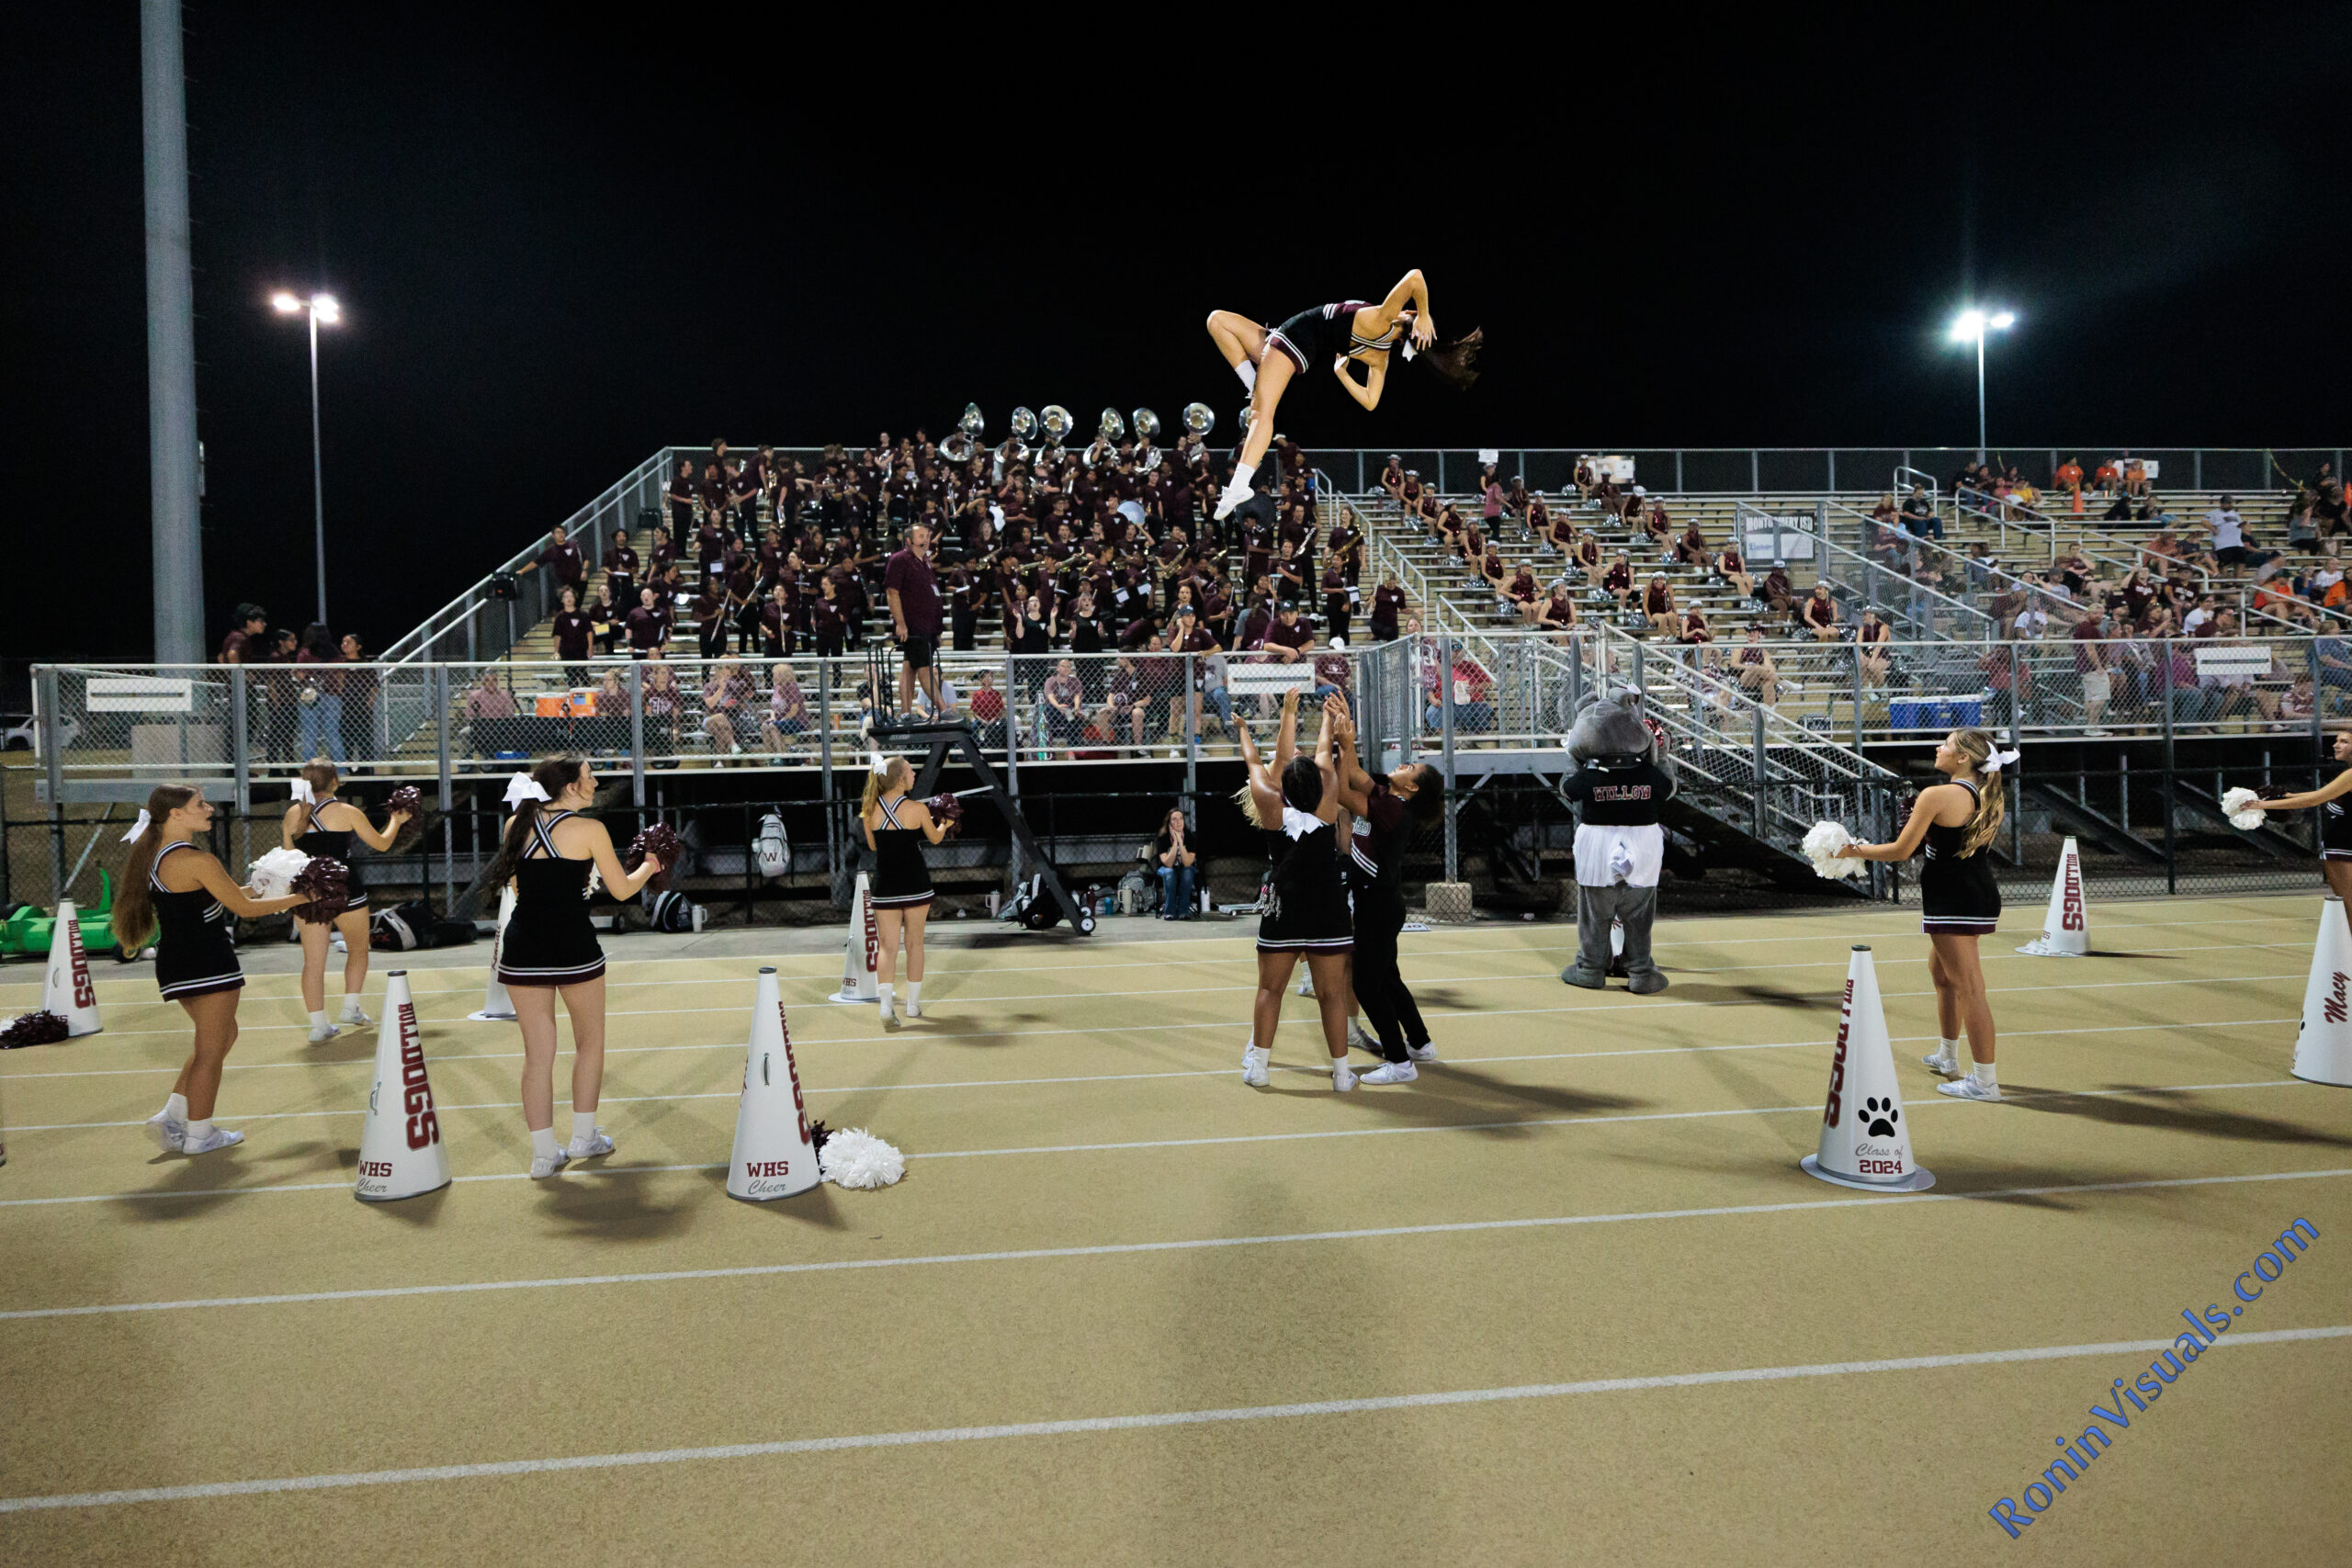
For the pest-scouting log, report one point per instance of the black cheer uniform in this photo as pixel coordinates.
(548, 941)
(1957, 897)
(2334, 831)
(196, 946)
(1307, 908)
(318, 841)
(902, 880)
(1377, 881)
(1316, 337)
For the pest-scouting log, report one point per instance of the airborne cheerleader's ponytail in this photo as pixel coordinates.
(1455, 363)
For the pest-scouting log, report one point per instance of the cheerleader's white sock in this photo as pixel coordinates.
(884, 992)
(198, 1131)
(1949, 1048)
(543, 1143)
(583, 1127)
(176, 1108)
(1983, 1073)
(319, 1019)
(914, 995)
(1242, 474)
(1249, 374)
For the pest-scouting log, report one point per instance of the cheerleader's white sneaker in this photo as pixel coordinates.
(1391, 1072)
(596, 1147)
(1306, 985)
(1343, 1077)
(1421, 1053)
(322, 1032)
(545, 1165)
(1233, 495)
(166, 1132)
(1940, 1062)
(1361, 1038)
(352, 1015)
(1968, 1088)
(1253, 1066)
(218, 1138)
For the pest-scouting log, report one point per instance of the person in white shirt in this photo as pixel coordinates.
(2032, 623)
(2229, 532)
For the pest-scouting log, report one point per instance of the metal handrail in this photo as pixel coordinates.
(1438, 612)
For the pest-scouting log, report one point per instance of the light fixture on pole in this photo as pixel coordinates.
(1971, 327)
(321, 310)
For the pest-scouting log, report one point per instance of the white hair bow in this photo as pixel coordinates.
(1409, 350)
(881, 765)
(522, 787)
(139, 826)
(1998, 761)
(303, 792)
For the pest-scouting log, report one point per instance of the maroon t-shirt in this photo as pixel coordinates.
(917, 593)
(564, 560)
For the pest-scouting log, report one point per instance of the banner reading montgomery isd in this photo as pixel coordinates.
(1765, 538)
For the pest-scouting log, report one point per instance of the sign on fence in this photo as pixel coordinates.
(1243, 679)
(1764, 537)
(136, 694)
(2241, 661)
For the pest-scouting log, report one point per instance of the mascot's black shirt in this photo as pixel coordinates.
(1618, 796)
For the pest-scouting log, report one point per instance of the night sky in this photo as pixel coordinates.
(561, 242)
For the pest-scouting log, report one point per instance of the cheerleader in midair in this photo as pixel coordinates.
(1956, 823)
(1306, 909)
(1351, 332)
(896, 829)
(551, 852)
(2334, 820)
(319, 824)
(179, 898)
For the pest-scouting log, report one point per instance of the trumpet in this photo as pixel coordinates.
(1199, 418)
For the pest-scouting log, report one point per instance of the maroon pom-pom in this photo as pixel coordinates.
(948, 812)
(660, 840)
(325, 882)
(2271, 792)
(817, 1133)
(42, 1028)
(410, 799)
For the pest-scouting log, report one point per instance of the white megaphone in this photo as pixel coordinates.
(497, 1007)
(2066, 927)
(774, 1156)
(401, 1152)
(1865, 1142)
(67, 989)
(862, 950)
(2324, 1043)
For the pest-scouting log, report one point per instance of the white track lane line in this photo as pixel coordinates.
(1180, 1073)
(1810, 1109)
(1113, 1249)
(1909, 928)
(1138, 1422)
(1826, 1001)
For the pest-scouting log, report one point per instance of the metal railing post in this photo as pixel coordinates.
(2171, 864)
(1854, 657)
(1011, 736)
(1833, 468)
(53, 758)
(1755, 802)
(1446, 733)
(1193, 725)
(1755, 473)
(1678, 470)
(438, 685)
(637, 733)
(240, 747)
(2319, 700)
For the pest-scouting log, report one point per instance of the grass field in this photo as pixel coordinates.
(1568, 1298)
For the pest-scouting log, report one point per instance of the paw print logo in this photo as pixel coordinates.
(1879, 1117)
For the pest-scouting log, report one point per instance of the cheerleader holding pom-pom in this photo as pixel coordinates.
(319, 824)
(1958, 903)
(1297, 804)
(549, 853)
(896, 829)
(2247, 807)
(181, 898)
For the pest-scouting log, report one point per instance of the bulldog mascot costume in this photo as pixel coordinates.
(1623, 775)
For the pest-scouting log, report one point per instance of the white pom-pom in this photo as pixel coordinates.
(856, 1157)
(2244, 808)
(1822, 842)
(273, 874)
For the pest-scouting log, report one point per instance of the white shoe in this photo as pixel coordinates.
(889, 1018)
(1391, 1072)
(1421, 1053)
(1361, 1038)
(352, 1015)
(322, 1032)
(914, 1008)
(545, 1165)
(1968, 1088)
(168, 1134)
(1343, 1077)
(596, 1147)
(1233, 495)
(1937, 1062)
(220, 1138)
(1253, 1066)
(1306, 985)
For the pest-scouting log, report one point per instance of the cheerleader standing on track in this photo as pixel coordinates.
(2334, 820)
(1387, 812)
(179, 897)
(1307, 908)
(1958, 901)
(549, 853)
(319, 824)
(895, 831)
(1266, 358)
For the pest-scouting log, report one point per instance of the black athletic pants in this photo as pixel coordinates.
(1380, 988)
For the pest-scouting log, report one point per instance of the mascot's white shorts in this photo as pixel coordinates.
(1609, 855)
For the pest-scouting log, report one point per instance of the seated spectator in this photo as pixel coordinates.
(2300, 702)
(1776, 592)
(788, 710)
(1872, 639)
(1473, 689)
(1691, 549)
(1210, 691)
(1522, 595)
(1557, 613)
(2226, 531)
(1920, 516)
(1333, 676)
(1123, 705)
(1177, 866)
(2104, 478)
(1658, 604)
(1760, 678)
(2091, 662)
(1389, 603)
(1732, 567)
(987, 703)
(664, 705)
(1061, 712)
(728, 691)
(1820, 614)
(1657, 533)
(1695, 629)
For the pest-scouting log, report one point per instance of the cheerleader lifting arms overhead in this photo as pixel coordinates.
(1955, 823)
(1351, 331)
(1298, 804)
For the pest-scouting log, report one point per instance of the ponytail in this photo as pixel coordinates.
(881, 783)
(1455, 363)
(554, 774)
(133, 919)
(1992, 789)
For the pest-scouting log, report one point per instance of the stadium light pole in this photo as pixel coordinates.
(1971, 327)
(321, 308)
